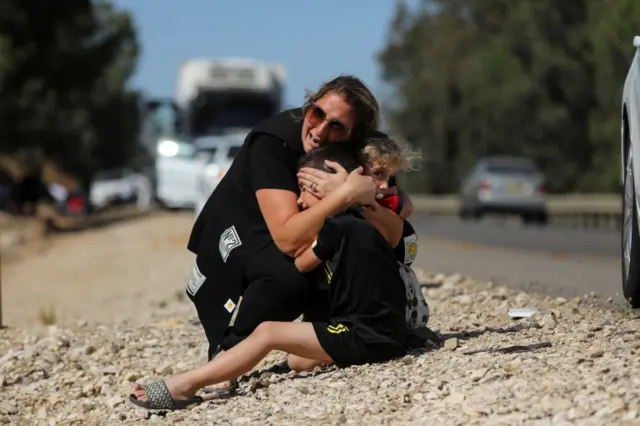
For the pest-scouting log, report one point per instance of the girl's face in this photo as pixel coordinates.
(380, 174)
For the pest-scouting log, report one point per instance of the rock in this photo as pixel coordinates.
(165, 369)
(451, 344)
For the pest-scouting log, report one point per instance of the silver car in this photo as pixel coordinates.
(217, 154)
(630, 153)
(504, 185)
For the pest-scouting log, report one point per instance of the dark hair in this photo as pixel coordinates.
(347, 155)
(358, 96)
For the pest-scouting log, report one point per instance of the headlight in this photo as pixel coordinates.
(168, 149)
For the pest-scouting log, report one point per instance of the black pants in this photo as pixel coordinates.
(273, 290)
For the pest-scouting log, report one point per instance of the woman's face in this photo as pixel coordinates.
(329, 119)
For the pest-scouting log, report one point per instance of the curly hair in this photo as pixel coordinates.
(395, 154)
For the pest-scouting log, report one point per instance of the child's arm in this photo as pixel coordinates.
(322, 249)
(307, 261)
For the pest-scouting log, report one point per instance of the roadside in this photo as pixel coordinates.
(121, 272)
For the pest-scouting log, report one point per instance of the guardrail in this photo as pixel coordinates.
(603, 211)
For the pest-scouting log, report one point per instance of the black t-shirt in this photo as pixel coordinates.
(365, 286)
(231, 226)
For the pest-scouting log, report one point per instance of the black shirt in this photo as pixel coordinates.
(231, 226)
(365, 286)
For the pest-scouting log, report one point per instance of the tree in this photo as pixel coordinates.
(64, 67)
(540, 79)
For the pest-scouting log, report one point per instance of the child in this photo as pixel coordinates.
(385, 157)
(366, 321)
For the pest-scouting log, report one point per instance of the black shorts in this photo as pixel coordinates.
(350, 343)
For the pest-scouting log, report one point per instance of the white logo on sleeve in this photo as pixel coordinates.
(196, 280)
(228, 241)
(410, 248)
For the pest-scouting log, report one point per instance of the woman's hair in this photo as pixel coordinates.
(357, 95)
(347, 155)
(378, 147)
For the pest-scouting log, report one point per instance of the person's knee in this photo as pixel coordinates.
(265, 332)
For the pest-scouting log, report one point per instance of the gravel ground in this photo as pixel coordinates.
(83, 373)
(119, 320)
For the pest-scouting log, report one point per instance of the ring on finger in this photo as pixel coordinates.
(314, 186)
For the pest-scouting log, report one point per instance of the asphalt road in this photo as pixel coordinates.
(559, 261)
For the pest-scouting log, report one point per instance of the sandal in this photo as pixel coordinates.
(221, 392)
(160, 398)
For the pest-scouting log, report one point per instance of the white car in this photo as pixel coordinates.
(219, 153)
(112, 187)
(630, 157)
(177, 166)
(120, 186)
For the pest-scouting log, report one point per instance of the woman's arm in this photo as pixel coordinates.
(290, 228)
(272, 169)
(307, 261)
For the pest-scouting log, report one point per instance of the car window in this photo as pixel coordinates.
(511, 169)
(113, 174)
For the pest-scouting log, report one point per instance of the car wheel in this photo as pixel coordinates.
(630, 238)
(542, 218)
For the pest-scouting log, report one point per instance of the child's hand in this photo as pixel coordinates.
(386, 192)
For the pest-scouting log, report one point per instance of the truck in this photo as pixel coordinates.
(213, 97)
(217, 96)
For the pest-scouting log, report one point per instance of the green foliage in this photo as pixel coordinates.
(63, 73)
(539, 78)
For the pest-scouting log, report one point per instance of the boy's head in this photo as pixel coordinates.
(385, 157)
(347, 155)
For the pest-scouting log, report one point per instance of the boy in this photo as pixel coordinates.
(366, 321)
(384, 157)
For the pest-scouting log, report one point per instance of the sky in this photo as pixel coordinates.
(316, 40)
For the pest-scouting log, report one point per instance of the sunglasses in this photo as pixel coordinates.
(337, 129)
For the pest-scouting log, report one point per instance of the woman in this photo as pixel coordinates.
(251, 225)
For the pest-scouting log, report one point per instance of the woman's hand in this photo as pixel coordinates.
(321, 183)
(360, 189)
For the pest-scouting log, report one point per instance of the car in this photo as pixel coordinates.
(120, 186)
(630, 153)
(505, 185)
(219, 153)
(111, 187)
(176, 168)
